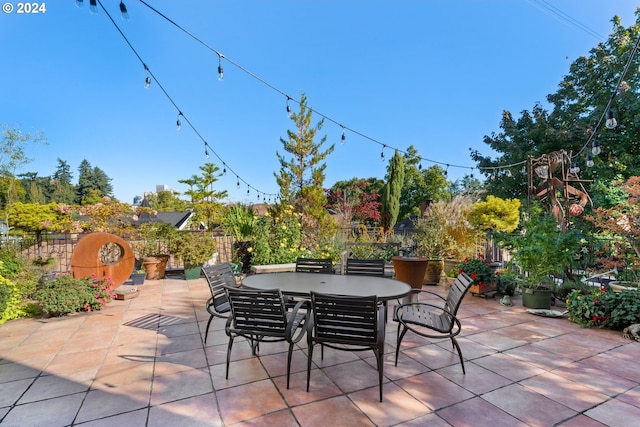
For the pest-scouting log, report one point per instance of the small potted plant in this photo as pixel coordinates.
(193, 249)
(138, 276)
(480, 270)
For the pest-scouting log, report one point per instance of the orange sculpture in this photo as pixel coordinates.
(103, 254)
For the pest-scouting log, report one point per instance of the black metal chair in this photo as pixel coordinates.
(314, 265)
(346, 323)
(218, 276)
(261, 316)
(433, 321)
(367, 267)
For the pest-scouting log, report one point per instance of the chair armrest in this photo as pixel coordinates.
(416, 291)
(304, 320)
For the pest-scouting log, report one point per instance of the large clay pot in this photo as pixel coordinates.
(410, 269)
(155, 266)
(192, 272)
(434, 270)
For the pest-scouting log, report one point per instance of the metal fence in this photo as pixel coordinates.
(59, 248)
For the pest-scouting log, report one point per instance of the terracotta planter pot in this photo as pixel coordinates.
(410, 269)
(155, 266)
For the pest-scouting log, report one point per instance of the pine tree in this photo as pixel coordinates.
(392, 191)
(301, 178)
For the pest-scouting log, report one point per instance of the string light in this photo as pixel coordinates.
(248, 192)
(344, 137)
(79, 3)
(446, 171)
(206, 151)
(611, 122)
(589, 161)
(574, 167)
(93, 7)
(420, 165)
(288, 107)
(224, 169)
(382, 153)
(178, 123)
(220, 71)
(123, 12)
(238, 182)
(147, 80)
(595, 147)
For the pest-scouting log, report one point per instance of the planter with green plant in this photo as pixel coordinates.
(138, 276)
(432, 241)
(541, 250)
(153, 248)
(193, 248)
(482, 274)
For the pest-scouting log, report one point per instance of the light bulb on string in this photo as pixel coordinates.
(446, 171)
(248, 192)
(595, 147)
(220, 70)
(178, 123)
(123, 12)
(420, 165)
(343, 137)
(471, 176)
(382, 153)
(224, 169)
(288, 107)
(574, 167)
(79, 3)
(238, 182)
(93, 7)
(206, 151)
(589, 161)
(611, 122)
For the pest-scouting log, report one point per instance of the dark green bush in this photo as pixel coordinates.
(65, 295)
(604, 309)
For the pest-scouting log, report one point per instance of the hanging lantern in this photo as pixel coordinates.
(575, 209)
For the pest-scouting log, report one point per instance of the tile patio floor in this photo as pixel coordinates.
(142, 362)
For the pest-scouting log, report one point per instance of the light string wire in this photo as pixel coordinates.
(324, 116)
(180, 112)
(614, 92)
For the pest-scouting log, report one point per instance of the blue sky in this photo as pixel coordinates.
(432, 74)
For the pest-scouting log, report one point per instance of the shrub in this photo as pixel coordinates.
(604, 309)
(65, 295)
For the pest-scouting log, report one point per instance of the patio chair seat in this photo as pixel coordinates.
(431, 320)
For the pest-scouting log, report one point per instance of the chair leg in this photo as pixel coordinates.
(206, 334)
(229, 354)
(400, 336)
(455, 344)
(289, 362)
(309, 357)
(379, 357)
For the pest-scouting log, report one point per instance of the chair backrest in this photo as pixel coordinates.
(219, 276)
(365, 267)
(257, 311)
(344, 319)
(459, 288)
(314, 265)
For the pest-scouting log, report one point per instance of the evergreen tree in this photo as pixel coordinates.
(301, 178)
(204, 197)
(92, 181)
(392, 191)
(63, 190)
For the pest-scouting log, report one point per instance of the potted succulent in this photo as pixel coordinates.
(193, 248)
(541, 251)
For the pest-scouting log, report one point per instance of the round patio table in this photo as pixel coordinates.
(301, 284)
